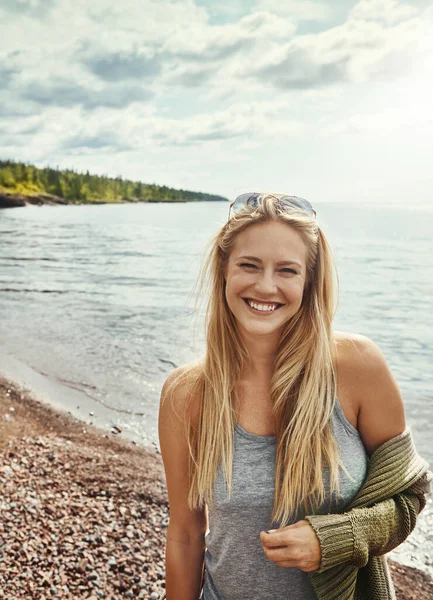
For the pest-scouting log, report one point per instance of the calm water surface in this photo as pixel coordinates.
(96, 297)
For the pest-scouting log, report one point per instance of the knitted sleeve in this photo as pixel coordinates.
(373, 530)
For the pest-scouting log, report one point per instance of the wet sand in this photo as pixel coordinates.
(84, 513)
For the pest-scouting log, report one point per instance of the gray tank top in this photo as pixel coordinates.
(236, 568)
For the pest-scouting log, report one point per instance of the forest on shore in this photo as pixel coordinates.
(20, 178)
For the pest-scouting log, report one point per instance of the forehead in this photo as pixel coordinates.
(271, 241)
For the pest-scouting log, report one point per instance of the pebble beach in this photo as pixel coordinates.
(84, 513)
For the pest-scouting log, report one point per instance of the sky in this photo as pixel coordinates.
(326, 100)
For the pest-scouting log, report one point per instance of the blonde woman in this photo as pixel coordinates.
(290, 470)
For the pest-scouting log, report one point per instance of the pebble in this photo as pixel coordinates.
(89, 530)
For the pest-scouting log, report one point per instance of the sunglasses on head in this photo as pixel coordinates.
(254, 199)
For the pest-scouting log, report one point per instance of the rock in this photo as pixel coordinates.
(6, 470)
(11, 201)
(15, 200)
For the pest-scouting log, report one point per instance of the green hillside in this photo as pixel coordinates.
(26, 179)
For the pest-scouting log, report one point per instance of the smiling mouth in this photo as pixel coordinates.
(262, 307)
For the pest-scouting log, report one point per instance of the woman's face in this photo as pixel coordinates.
(265, 277)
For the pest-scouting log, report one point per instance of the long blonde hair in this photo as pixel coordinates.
(303, 383)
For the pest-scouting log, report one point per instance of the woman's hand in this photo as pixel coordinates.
(293, 546)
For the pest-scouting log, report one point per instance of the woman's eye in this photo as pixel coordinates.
(251, 266)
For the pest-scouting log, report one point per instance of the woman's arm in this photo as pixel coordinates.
(185, 546)
(184, 568)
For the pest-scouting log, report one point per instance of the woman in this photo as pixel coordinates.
(282, 427)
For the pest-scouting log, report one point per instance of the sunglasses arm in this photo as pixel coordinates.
(230, 208)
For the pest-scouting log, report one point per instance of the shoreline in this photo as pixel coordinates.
(66, 396)
(16, 200)
(85, 511)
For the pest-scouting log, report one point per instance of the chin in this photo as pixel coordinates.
(260, 328)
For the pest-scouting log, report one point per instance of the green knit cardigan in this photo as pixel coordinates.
(379, 518)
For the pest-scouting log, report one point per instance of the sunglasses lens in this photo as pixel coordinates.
(246, 201)
(297, 203)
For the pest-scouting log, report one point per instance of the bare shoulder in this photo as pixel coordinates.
(176, 395)
(369, 388)
(358, 355)
(347, 340)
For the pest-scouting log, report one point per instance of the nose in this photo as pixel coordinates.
(265, 283)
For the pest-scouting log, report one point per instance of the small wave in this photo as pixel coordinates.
(123, 280)
(77, 385)
(86, 388)
(18, 258)
(370, 259)
(28, 291)
(124, 253)
(168, 362)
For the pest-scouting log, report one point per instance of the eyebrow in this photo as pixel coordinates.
(280, 263)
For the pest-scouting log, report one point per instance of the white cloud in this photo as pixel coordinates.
(217, 44)
(297, 10)
(387, 12)
(140, 128)
(361, 49)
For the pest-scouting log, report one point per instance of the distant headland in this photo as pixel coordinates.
(22, 184)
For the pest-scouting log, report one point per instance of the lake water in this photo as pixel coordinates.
(96, 298)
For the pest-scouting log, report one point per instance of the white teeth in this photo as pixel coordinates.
(263, 307)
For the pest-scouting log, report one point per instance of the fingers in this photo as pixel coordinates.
(280, 537)
(294, 555)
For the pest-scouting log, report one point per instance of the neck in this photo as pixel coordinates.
(262, 351)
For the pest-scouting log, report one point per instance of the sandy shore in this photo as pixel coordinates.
(84, 513)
